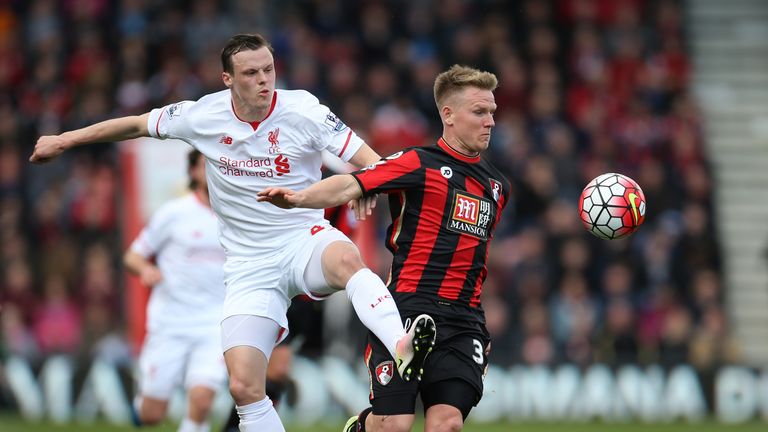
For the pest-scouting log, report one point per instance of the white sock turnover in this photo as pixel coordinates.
(259, 417)
(189, 425)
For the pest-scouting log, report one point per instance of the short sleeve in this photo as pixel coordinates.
(330, 132)
(393, 173)
(170, 121)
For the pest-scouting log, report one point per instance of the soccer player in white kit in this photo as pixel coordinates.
(183, 344)
(253, 137)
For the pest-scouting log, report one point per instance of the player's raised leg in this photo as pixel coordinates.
(343, 268)
(413, 349)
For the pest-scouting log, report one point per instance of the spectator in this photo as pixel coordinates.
(617, 345)
(676, 331)
(17, 289)
(587, 87)
(17, 338)
(536, 347)
(712, 345)
(57, 322)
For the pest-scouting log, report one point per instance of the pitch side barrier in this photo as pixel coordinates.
(62, 390)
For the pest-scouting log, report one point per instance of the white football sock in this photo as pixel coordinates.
(259, 417)
(376, 308)
(189, 425)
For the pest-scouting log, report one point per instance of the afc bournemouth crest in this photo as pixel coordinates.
(495, 189)
(384, 372)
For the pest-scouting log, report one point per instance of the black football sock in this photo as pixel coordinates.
(361, 419)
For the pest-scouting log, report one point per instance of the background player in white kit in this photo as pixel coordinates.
(183, 345)
(254, 137)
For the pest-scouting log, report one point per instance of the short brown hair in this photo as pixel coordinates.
(459, 77)
(242, 42)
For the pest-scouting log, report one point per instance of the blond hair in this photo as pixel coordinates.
(460, 77)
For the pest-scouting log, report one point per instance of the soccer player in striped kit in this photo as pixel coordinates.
(445, 201)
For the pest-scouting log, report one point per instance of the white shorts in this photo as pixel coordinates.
(168, 362)
(265, 286)
(251, 330)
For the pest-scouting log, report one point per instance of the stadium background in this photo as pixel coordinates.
(586, 87)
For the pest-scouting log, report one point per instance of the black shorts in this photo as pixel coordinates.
(453, 372)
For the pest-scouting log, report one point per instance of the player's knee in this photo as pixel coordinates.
(200, 404)
(449, 423)
(453, 424)
(350, 260)
(344, 263)
(151, 411)
(245, 392)
(151, 417)
(397, 423)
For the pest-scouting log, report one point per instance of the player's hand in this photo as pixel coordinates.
(280, 197)
(150, 276)
(363, 207)
(48, 147)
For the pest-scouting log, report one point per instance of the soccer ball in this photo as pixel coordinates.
(612, 206)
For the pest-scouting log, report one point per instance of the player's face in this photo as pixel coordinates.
(253, 78)
(472, 118)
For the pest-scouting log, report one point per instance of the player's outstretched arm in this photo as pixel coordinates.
(364, 156)
(364, 206)
(279, 197)
(50, 146)
(331, 192)
(142, 267)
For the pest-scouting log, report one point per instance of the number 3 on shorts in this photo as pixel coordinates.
(478, 356)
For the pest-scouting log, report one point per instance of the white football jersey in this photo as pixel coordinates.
(243, 158)
(182, 237)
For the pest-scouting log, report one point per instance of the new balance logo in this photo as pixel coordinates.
(226, 140)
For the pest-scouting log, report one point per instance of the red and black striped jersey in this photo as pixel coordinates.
(444, 208)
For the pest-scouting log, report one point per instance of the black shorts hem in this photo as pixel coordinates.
(397, 404)
(454, 392)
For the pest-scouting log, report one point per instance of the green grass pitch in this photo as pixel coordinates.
(9, 423)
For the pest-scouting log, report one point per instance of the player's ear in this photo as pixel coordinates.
(447, 114)
(227, 79)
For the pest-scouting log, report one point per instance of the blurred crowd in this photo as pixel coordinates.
(586, 87)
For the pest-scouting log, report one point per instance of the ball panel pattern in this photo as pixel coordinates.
(612, 206)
